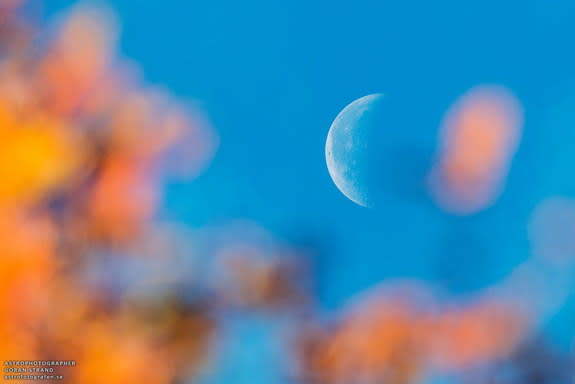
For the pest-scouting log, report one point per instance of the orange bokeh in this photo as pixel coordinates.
(479, 138)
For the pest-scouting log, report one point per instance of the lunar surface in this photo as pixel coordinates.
(352, 152)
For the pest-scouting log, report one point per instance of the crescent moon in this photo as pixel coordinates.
(349, 149)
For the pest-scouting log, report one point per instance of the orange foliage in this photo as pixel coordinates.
(78, 173)
(394, 340)
(480, 136)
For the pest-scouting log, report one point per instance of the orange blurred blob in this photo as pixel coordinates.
(126, 362)
(26, 271)
(79, 59)
(37, 156)
(397, 338)
(122, 200)
(385, 338)
(474, 336)
(479, 138)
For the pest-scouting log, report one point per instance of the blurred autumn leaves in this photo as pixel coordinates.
(81, 147)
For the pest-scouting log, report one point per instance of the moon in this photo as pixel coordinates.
(351, 150)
